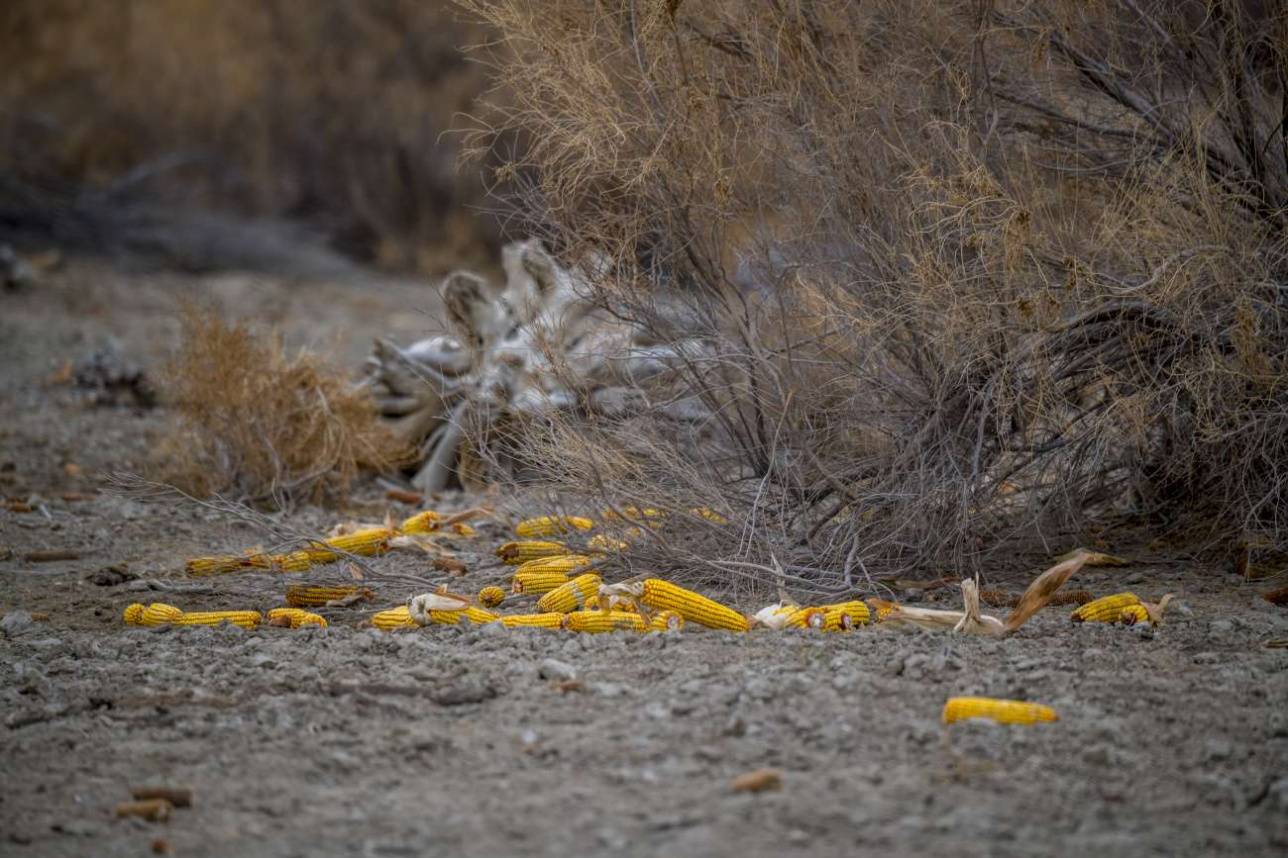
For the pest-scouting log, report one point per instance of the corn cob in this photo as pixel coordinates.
(156, 614)
(533, 621)
(394, 618)
(551, 525)
(296, 561)
(805, 618)
(294, 618)
(570, 595)
(595, 622)
(225, 563)
(602, 542)
(422, 522)
(245, 619)
(709, 514)
(309, 596)
(1001, 711)
(1133, 614)
(536, 582)
(566, 564)
(490, 597)
(666, 621)
(663, 595)
(522, 551)
(844, 615)
(453, 618)
(1106, 609)
(633, 513)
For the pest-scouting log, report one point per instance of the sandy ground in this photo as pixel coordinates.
(445, 741)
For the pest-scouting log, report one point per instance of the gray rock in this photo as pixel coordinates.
(16, 622)
(554, 669)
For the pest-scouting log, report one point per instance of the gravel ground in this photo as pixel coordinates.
(483, 741)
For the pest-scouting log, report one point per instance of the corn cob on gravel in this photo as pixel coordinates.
(394, 618)
(1133, 614)
(490, 597)
(595, 622)
(695, 608)
(536, 582)
(1001, 711)
(533, 621)
(551, 525)
(1106, 609)
(294, 618)
(159, 614)
(310, 596)
(666, 621)
(521, 551)
(571, 595)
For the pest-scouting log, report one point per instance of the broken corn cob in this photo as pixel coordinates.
(245, 619)
(570, 595)
(604, 542)
(1001, 711)
(696, 608)
(490, 597)
(551, 525)
(422, 522)
(530, 549)
(1133, 614)
(394, 618)
(452, 618)
(595, 622)
(295, 618)
(844, 615)
(805, 618)
(225, 563)
(536, 582)
(533, 621)
(309, 596)
(156, 614)
(1106, 609)
(666, 621)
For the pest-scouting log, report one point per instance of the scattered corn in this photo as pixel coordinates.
(535, 582)
(805, 618)
(453, 618)
(570, 595)
(663, 595)
(844, 616)
(666, 621)
(490, 597)
(595, 622)
(604, 543)
(565, 564)
(310, 596)
(524, 550)
(394, 618)
(245, 619)
(1106, 609)
(1001, 711)
(422, 522)
(533, 621)
(225, 563)
(295, 618)
(551, 525)
(634, 513)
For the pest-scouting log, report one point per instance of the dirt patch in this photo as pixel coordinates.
(445, 741)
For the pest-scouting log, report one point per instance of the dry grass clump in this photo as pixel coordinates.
(257, 424)
(976, 276)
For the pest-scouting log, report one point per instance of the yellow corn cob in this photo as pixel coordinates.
(1001, 711)
(570, 595)
(663, 595)
(1106, 609)
(883, 608)
(365, 543)
(594, 622)
(245, 619)
(1133, 614)
(460, 528)
(296, 561)
(805, 618)
(422, 522)
(611, 603)
(565, 564)
(709, 514)
(155, 614)
(294, 618)
(605, 543)
(532, 549)
(844, 616)
(225, 563)
(551, 525)
(533, 621)
(394, 618)
(534, 583)
(310, 596)
(666, 621)
(490, 597)
(634, 513)
(452, 618)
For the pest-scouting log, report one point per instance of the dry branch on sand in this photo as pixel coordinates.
(257, 424)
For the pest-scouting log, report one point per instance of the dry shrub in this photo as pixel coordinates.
(327, 111)
(979, 276)
(257, 424)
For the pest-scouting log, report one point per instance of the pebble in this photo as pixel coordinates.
(16, 622)
(554, 669)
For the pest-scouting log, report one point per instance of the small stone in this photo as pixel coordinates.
(16, 622)
(554, 669)
(264, 661)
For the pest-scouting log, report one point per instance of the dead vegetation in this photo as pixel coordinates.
(976, 277)
(257, 424)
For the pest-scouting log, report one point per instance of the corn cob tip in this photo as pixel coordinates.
(134, 614)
